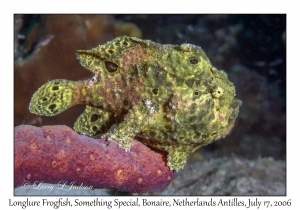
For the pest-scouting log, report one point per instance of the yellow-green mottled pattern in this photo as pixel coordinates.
(54, 97)
(93, 121)
(170, 97)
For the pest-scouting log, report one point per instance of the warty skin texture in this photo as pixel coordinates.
(170, 97)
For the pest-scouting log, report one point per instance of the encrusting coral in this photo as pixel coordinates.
(55, 154)
(45, 46)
